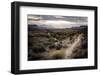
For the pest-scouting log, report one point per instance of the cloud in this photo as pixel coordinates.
(58, 23)
(50, 21)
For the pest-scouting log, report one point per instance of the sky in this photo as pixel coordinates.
(55, 21)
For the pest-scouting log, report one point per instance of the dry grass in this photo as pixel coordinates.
(57, 54)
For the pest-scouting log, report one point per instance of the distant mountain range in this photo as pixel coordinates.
(34, 26)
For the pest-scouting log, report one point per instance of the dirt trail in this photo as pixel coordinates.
(71, 48)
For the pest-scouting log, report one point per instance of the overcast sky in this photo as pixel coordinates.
(54, 21)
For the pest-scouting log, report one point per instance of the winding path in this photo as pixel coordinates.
(70, 49)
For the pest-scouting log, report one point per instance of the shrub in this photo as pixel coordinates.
(58, 55)
(38, 49)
